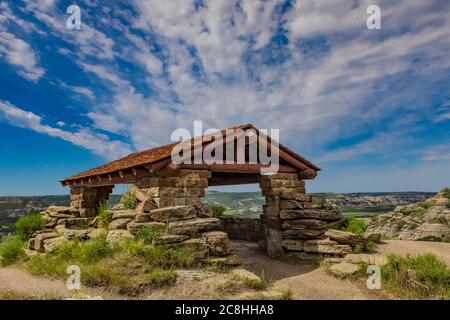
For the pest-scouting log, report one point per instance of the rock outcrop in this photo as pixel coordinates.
(425, 220)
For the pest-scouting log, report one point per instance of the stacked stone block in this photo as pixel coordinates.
(87, 200)
(294, 221)
(242, 228)
(185, 189)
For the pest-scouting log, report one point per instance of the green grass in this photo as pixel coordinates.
(148, 234)
(419, 277)
(11, 250)
(354, 225)
(161, 278)
(104, 215)
(127, 268)
(28, 224)
(129, 201)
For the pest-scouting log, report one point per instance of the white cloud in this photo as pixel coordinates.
(83, 137)
(19, 53)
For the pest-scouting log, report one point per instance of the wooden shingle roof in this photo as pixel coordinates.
(155, 155)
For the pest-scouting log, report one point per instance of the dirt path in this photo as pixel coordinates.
(307, 282)
(404, 248)
(16, 283)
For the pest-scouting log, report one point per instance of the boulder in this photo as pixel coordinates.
(170, 238)
(134, 227)
(294, 245)
(198, 247)
(123, 214)
(325, 215)
(142, 217)
(244, 274)
(193, 226)
(118, 206)
(53, 243)
(174, 213)
(117, 236)
(71, 234)
(343, 269)
(344, 237)
(40, 237)
(80, 223)
(217, 243)
(119, 223)
(146, 205)
(326, 246)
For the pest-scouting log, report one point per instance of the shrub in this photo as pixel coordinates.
(286, 294)
(257, 284)
(148, 234)
(104, 215)
(218, 209)
(354, 225)
(129, 201)
(11, 250)
(28, 224)
(423, 276)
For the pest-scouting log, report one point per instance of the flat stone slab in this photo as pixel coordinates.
(344, 269)
(193, 226)
(119, 223)
(170, 238)
(173, 213)
(123, 214)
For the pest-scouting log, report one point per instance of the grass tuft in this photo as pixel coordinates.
(423, 276)
(104, 215)
(11, 250)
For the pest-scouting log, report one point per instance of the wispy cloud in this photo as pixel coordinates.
(83, 137)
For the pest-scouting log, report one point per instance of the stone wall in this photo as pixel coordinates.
(87, 200)
(248, 229)
(294, 221)
(171, 205)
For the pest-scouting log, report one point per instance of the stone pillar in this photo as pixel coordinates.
(294, 221)
(276, 188)
(88, 199)
(185, 189)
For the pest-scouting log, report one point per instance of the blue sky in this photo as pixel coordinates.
(370, 107)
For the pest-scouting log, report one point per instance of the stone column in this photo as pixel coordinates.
(276, 188)
(185, 189)
(87, 199)
(296, 222)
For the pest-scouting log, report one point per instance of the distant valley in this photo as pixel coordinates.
(245, 204)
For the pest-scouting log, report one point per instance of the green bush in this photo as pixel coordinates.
(11, 250)
(354, 225)
(423, 276)
(28, 224)
(129, 201)
(218, 209)
(104, 215)
(148, 234)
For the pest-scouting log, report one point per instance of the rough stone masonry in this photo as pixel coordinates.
(292, 221)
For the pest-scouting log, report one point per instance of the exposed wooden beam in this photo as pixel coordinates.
(307, 174)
